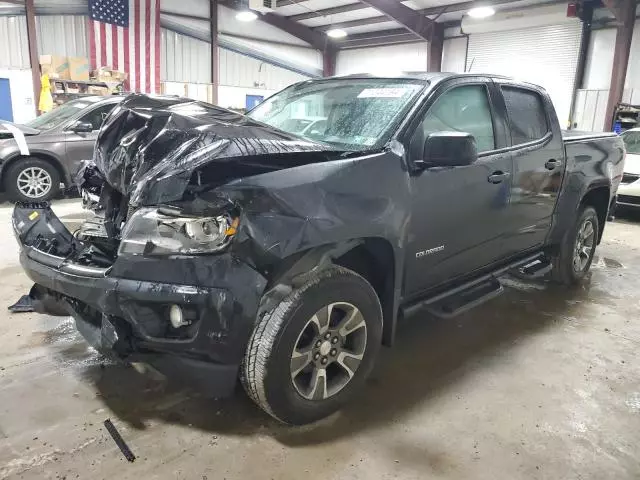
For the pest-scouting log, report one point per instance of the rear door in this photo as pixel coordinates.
(458, 213)
(79, 146)
(538, 163)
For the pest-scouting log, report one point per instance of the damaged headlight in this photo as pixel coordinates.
(152, 231)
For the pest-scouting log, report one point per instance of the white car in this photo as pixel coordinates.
(629, 190)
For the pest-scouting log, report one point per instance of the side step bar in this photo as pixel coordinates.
(475, 292)
(467, 299)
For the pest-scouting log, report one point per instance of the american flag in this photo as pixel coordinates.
(125, 35)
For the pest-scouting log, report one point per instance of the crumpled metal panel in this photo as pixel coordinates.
(149, 147)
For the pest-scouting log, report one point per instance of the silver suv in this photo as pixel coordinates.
(40, 156)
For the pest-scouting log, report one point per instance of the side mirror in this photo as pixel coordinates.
(448, 149)
(82, 127)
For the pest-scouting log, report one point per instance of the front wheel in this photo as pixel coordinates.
(572, 263)
(314, 350)
(31, 180)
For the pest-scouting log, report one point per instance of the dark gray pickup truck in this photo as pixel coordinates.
(224, 247)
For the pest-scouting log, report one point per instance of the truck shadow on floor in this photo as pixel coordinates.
(430, 356)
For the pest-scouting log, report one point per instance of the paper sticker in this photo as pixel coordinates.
(395, 92)
(33, 216)
(18, 135)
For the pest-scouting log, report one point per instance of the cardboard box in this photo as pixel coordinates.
(55, 66)
(96, 90)
(79, 68)
(105, 74)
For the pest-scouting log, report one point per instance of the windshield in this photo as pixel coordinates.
(59, 115)
(355, 114)
(632, 142)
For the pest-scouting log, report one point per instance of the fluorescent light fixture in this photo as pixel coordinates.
(481, 12)
(336, 33)
(246, 16)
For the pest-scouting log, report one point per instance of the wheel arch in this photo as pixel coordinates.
(373, 258)
(45, 156)
(598, 197)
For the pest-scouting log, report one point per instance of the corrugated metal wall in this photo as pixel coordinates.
(63, 35)
(14, 51)
(243, 71)
(57, 34)
(186, 59)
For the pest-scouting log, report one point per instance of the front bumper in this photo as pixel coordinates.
(123, 310)
(629, 194)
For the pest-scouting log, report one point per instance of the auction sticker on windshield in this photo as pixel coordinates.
(382, 92)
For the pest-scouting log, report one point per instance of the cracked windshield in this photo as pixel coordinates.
(349, 114)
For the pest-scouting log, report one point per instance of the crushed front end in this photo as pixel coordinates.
(156, 275)
(181, 315)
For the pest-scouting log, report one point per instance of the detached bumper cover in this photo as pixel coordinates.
(123, 311)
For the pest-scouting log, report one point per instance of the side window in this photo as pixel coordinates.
(527, 116)
(632, 142)
(462, 109)
(96, 116)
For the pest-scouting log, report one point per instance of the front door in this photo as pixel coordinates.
(79, 145)
(458, 213)
(538, 156)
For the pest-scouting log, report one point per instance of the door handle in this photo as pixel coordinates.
(552, 164)
(498, 177)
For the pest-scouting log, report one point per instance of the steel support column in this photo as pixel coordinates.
(435, 45)
(329, 57)
(34, 61)
(625, 12)
(215, 63)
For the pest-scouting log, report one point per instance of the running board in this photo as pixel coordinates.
(460, 302)
(473, 293)
(536, 269)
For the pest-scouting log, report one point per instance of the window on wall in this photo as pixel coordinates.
(462, 109)
(527, 115)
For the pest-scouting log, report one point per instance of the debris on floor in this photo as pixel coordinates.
(124, 448)
(24, 304)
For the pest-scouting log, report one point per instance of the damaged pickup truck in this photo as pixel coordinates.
(225, 246)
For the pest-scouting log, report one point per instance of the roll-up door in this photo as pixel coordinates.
(544, 55)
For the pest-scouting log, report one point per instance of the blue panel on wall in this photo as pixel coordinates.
(252, 101)
(6, 112)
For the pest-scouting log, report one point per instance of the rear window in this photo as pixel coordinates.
(527, 116)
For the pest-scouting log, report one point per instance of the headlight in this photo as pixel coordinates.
(152, 231)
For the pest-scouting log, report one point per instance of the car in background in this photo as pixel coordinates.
(629, 190)
(39, 156)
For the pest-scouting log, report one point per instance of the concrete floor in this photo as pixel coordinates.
(541, 383)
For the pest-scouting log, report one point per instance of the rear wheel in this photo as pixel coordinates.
(573, 262)
(31, 180)
(314, 350)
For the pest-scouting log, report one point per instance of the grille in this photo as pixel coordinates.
(630, 177)
(631, 200)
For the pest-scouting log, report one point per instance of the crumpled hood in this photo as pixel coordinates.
(150, 147)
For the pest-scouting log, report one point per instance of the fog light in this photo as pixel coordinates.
(177, 317)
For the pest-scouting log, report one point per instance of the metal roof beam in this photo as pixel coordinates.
(411, 19)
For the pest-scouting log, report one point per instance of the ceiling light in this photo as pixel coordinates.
(246, 16)
(336, 33)
(481, 12)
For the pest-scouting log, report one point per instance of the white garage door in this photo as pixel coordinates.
(547, 56)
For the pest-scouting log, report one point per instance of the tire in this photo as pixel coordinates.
(267, 373)
(566, 270)
(26, 168)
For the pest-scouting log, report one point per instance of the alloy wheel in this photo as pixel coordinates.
(584, 245)
(34, 182)
(328, 351)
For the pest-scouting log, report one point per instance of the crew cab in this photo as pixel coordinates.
(225, 246)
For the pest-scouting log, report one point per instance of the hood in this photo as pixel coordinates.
(151, 147)
(7, 130)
